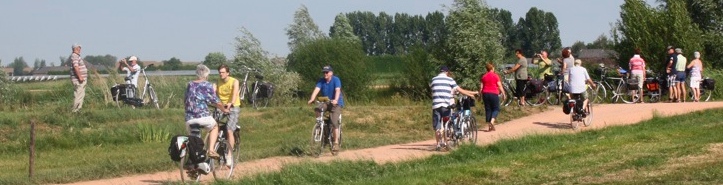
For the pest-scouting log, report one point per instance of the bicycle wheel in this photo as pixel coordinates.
(508, 91)
(154, 97)
(254, 98)
(536, 99)
(471, 131)
(705, 94)
(316, 140)
(587, 121)
(237, 145)
(625, 94)
(599, 94)
(219, 169)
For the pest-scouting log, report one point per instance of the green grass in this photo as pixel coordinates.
(681, 149)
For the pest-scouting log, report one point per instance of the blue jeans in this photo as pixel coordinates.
(492, 106)
(437, 115)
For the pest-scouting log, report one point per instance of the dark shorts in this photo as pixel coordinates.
(680, 77)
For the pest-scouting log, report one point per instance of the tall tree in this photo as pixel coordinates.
(342, 29)
(214, 59)
(539, 30)
(473, 40)
(602, 42)
(303, 29)
(708, 15)
(43, 63)
(18, 65)
(435, 33)
(250, 53)
(508, 29)
(578, 46)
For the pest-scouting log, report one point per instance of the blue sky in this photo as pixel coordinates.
(189, 30)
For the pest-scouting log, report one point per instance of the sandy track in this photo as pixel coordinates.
(548, 122)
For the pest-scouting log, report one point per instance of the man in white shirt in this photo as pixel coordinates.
(578, 77)
(131, 70)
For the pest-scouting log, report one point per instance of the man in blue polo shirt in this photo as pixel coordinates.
(442, 86)
(330, 86)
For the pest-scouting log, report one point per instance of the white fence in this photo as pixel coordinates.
(41, 78)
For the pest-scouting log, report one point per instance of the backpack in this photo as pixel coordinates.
(536, 86)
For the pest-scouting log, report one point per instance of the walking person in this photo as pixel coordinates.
(442, 86)
(78, 76)
(521, 76)
(696, 75)
(637, 70)
(491, 89)
(227, 89)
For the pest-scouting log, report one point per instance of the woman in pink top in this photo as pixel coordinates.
(637, 70)
(491, 88)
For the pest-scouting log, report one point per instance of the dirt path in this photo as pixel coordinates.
(549, 122)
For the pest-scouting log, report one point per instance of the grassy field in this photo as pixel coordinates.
(104, 141)
(686, 149)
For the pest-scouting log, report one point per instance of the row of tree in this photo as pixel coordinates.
(384, 34)
(109, 61)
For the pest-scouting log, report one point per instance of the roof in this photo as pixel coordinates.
(596, 53)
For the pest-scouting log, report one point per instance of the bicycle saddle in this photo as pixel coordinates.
(259, 76)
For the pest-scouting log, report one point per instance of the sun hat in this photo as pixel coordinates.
(132, 58)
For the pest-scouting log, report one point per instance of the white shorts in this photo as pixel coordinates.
(193, 126)
(695, 82)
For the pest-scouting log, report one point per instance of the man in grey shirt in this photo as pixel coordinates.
(521, 77)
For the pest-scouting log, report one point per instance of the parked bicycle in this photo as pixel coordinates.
(322, 133)
(258, 92)
(126, 93)
(535, 93)
(554, 87)
(707, 87)
(619, 87)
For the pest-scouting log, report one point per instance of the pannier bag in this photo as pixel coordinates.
(632, 83)
(193, 145)
(266, 90)
(118, 91)
(552, 86)
(652, 84)
(708, 84)
(536, 86)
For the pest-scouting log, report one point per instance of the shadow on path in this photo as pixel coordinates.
(554, 125)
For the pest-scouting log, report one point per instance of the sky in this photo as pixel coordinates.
(189, 30)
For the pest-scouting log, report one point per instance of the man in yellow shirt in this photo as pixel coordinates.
(227, 89)
(545, 65)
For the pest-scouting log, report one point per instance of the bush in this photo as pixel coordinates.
(346, 58)
(415, 78)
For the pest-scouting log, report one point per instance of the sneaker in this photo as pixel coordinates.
(438, 148)
(203, 168)
(335, 149)
(229, 160)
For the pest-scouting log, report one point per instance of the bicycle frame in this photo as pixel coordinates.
(322, 132)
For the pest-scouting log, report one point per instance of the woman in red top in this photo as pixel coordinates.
(491, 88)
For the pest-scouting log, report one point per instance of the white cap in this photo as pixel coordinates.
(132, 58)
(696, 54)
(75, 46)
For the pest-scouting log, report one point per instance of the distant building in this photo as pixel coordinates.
(46, 70)
(8, 71)
(597, 56)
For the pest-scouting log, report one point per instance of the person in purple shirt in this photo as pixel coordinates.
(330, 86)
(200, 93)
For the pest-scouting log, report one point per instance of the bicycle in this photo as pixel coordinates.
(464, 123)
(531, 97)
(259, 92)
(322, 133)
(620, 90)
(222, 147)
(127, 92)
(579, 114)
(554, 88)
(707, 87)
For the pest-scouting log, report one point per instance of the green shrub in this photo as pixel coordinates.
(418, 72)
(346, 58)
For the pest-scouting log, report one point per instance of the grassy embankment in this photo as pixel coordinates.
(685, 149)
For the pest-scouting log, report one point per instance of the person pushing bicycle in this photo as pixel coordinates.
(330, 86)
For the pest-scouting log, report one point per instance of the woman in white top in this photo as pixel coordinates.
(696, 75)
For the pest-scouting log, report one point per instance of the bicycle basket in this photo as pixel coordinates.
(708, 84)
(632, 83)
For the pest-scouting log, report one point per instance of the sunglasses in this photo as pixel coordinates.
(326, 72)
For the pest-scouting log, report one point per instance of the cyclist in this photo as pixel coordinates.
(442, 86)
(330, 86)
(200, 93)
(227, 89)
(521, 77)
(578, 77)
